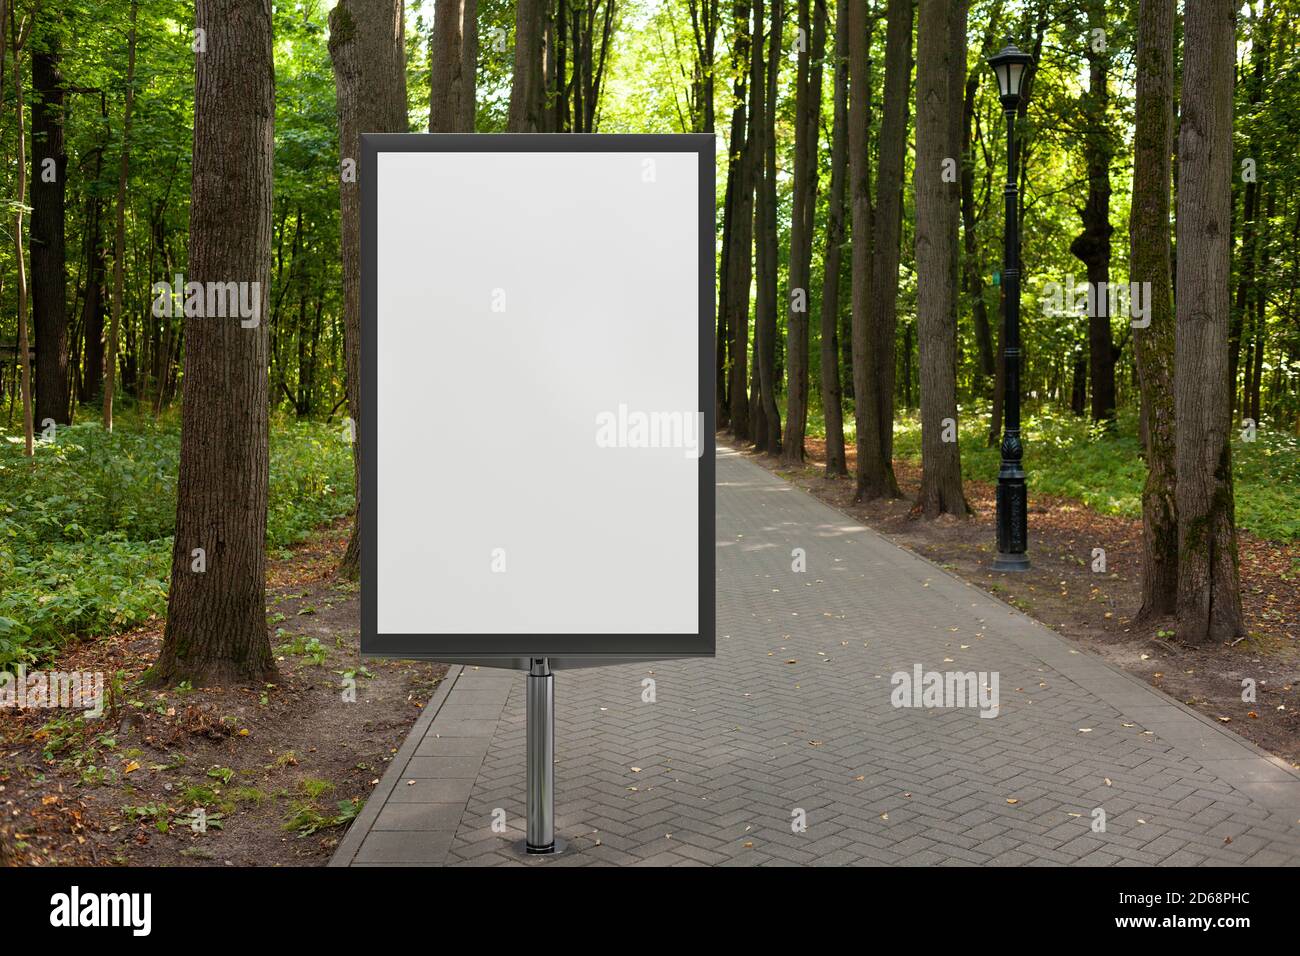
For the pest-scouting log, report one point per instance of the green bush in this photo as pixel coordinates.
(86, 524)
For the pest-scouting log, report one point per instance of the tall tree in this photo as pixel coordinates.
(704, 30)
(889, 229)
(736, 217)
(1251, 246)
(18, 36)
(971, 136)
(119, 234)
(832, 393)
(1092, 246)
(941, 67)
(807, 110)
(49, 185)
(453, 61)
(216, 608)
(1149, 264)
(92, 308)
(746, 57)
(367, 47)
(1255, 365)
(528, 85)
(1209, 602)
(590, 21)
(871, 480)
(767, 426)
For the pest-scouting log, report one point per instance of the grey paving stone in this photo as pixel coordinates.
(418, 790)
(443, 767)
(438, 746)
(420, 816)
(387, 846)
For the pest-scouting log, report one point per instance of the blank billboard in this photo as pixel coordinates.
(537, 416)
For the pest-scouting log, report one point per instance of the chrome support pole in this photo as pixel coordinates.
(541, 757)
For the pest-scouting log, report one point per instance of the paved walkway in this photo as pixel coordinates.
(795, 714)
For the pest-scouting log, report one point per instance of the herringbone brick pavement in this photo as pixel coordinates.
(793, 721)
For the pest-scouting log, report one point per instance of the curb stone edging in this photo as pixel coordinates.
(378, 799)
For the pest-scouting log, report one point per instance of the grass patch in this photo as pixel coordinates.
(1065, 456)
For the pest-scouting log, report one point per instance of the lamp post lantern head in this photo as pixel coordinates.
(1010, 66)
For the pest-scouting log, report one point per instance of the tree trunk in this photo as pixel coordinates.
(870, 478)
(973, 274)
(92, 308)
(1250, 401)
(909, 335)
(704, 32)
(1209, 601)
(453, 59)
(767, 430)
(367, 47)
(528, 84)
(739, 258)
(1251, 246)
(808, 95)
(889, 229)
(1092, 246)
(832, 397)
(999, 376)
(1079, 381)
(49, 270)
(24, 346)
(216, 617)
(731, 220)
(119, 233)
(1149, 262)
(941, 53)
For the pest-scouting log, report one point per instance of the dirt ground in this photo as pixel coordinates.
(1096, 609)
(256, 776)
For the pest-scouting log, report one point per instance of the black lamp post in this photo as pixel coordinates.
(1011, 66)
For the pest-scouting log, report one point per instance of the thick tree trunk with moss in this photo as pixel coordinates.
(367, 47)
(1209, 599)
(941, 56)
(832, 393)
(216, 608)
(1149, 264)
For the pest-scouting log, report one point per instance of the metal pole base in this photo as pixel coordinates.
(540, 780)
(523, 850)
(1011, 562)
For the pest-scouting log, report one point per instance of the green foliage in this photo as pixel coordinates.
(1065, 456)
(86, 524)
(301, 646)
(305, 818)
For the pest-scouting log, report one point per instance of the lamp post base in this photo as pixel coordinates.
(1011, 562)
